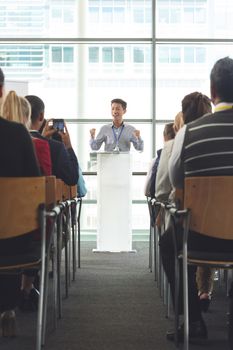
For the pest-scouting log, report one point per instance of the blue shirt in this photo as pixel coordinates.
(121, 137)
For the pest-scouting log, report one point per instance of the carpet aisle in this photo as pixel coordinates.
(114, 304)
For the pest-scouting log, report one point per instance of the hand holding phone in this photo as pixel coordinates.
(59, 125)
(65, 137)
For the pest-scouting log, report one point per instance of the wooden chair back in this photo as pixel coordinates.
(73, 191)
(50, 182)
(210, 202)
(179, 198)
(59, 188)
(20, 199)
(65, 191)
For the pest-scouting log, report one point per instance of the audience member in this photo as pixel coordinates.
(17, 158)
(18, 109)
(163, 188)
(194, 106)
(149, 190)
(64, 161)
(201, 148)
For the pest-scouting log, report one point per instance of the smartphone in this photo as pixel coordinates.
(58, 124)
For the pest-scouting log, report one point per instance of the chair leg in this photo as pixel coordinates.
(69, 247)
(74, 239)
(55, 279)
(59, 254)
(45, 304)
(176, 302)
(230, 323)
(150, 247)
(67, 252)
(156, 255)
(79, 232)
(66, 268)
(40, 316)
(186, 301)
(150, 235)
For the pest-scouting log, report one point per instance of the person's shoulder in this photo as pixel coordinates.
(106, 126)
(55, 143)
(13, 126)
(168, 144)
(9, 123)
(167, 148)
(40, 142)
(200, 121)
(129, 126)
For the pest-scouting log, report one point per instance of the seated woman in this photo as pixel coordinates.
(18, 109)
(17, 158)
(194, 105)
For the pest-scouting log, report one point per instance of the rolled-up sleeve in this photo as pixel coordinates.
(138, 143)
(96, 143)
(175, 165)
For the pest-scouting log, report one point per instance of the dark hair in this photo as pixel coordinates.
(221, 78)
(169, 131)
(2, 77)
(120, 101)
(37, 106)
(194, 106)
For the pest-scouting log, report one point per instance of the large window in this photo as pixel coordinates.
(79, 55)
(62, 54)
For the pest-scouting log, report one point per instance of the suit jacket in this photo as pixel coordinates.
(17, 159)
(17, 155)
(64, 161)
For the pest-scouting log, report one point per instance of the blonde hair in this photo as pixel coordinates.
(178, 122)
(16, 108)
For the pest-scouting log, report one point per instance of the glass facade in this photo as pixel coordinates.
(79, 55)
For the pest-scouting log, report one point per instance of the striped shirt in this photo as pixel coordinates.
(121, 137)
(203, 147)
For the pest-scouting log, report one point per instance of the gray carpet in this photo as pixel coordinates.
(114, 304)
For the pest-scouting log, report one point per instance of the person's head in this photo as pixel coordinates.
(16, 108)
(221, 81)
(37, 111)
(168, 132)
(178, 122)
(194, 106)
(118, 109)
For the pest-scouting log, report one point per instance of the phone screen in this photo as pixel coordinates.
(58, 124)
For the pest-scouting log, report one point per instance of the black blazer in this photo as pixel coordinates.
(17, 155)
(64, 161)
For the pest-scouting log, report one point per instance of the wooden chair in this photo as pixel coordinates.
(50, 191)
(207, 210)
(160, 276)
(76, 209)
(151, 230)
(63, 237)
(22, 209)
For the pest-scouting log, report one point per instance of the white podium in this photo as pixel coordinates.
(114, 202)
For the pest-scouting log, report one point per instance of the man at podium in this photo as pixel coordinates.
(118, 135)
